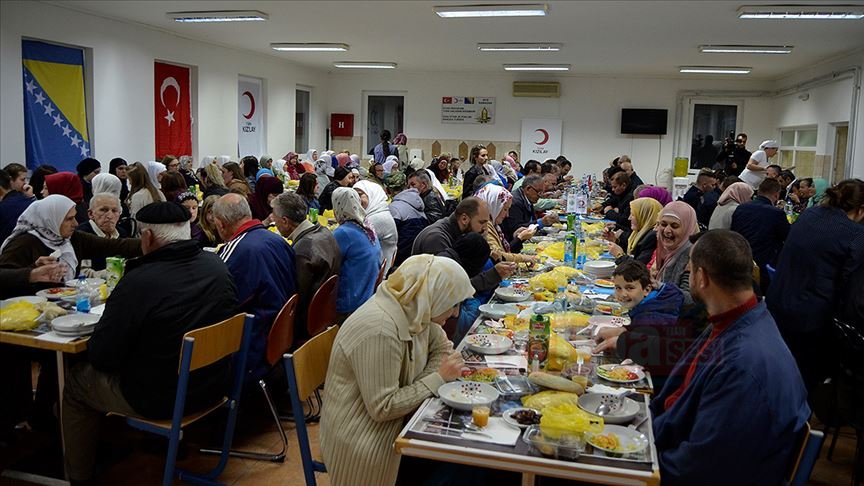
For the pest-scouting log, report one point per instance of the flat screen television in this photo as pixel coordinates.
(643, 121)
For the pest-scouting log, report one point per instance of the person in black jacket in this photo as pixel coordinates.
(478, 158)
(825, 247)
(705, 182)
(616, 207)
(763, 225)
(134, 351)
(521, 213)
(433, 204)
(642, 241)
(342, 177)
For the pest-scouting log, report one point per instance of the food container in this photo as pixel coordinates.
(514, 387)
(567, 447)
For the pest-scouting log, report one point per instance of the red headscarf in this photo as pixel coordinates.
(66, 184)
(343, 159)
(265, 186)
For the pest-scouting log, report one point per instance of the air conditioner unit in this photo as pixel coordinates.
(537, 89)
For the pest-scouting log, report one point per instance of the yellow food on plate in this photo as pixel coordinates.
(566, 271)
(561, 320)
(567, 419)
(19, 316)
(551, 281)
(561, 352)
(554, 251)
(544, 296)
(600, 282)
(591, 228)
(548, 398)
(608, 441)
(515, 323)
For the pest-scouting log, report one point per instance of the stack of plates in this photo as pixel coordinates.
(74, 325)
(599, 268)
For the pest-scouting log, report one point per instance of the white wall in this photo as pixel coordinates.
(828, 104)
(123, 56)
(589, 106)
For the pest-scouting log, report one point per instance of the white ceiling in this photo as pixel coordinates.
(640, 38)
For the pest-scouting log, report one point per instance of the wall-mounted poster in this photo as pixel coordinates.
(541, 139)
(468, 109)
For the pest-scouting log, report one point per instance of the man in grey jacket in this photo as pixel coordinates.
(316, 252)
(471, 215)
(432, 202)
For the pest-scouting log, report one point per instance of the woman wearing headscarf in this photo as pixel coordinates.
(187, 172)
(361, 251)
(292, 166)
(266, 162)
(311, 156)
(207, 160)
(677, 223)
(154, 172)
(249, 165)
(69, 185)
(107, 183)
(390, 163)
(37, 180)
(323, 171)
(342, 177)
(343, 159)
(659, 194)
(642, 241)
(401, 142)
(734, 195)
(440, 168)
(499, 201)
(389, 357)
(307, 188)
(222, 160)
(374, 201)
(355, 161)
(266, 189)
(505, 173)
(820, 186)
(263, 172)
(47, 227)
(118, 167)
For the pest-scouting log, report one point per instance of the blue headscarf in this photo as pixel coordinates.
(262, 172)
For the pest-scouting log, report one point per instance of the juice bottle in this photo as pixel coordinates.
(538, 337)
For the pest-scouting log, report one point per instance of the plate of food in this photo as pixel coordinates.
(620, 373)
(497, 311)
(488, 343)
(616, 439)
(57, 293)
(480, 375)
(27, 298)
(614, 321)
(93, 282)
(622, 410)
(465, 395)
(509, 294)
(521, 417)
(603, 283)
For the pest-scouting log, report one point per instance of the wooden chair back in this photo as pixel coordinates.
(311, 360)
(281, 335)
(215, 342)
(322, 307)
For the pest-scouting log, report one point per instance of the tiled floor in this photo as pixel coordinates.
(134, 458)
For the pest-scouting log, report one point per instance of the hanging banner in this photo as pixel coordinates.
(541, 139)
(172, 102)
(250, 117)
(55, 113)
(468, 109)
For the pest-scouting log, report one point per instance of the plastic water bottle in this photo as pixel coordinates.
(571, 200)
(581, 201)
(569, 250)
(82, 297)
(561, 298)
(581, 255)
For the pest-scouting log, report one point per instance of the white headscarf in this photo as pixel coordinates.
(42, 219)
(377, 197)
(153, 170)
(310, 156)
(105, 182)
(222, 160)
(355, 161)
(279, 166)
(324, 165)
(206, 161)
(496, 197)
(425, 286)
(437, 185)
(390, 162)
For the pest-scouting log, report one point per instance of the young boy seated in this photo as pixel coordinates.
(656, 337)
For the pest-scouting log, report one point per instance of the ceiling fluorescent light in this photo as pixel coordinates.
(514, 10)
(536, 67)
(745, 49)
(309, 47)
(715, 69)
(520, 47)
(219, 16)
(801, 12)
(364, 65)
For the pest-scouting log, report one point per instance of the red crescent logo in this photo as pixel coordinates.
(251, 113)
(545, 136)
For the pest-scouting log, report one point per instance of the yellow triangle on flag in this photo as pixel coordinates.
(64, 86)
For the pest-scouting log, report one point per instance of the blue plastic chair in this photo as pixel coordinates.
(306, 369)
(806, 457)
(229, 337)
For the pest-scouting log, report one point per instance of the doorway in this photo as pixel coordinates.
(838, 163)
(383, 113)
(301, 121)
(712, 125)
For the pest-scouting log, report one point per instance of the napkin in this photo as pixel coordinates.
(51, 336)
(506, 361)
(98, 310)
(608, 390)
(500, 432)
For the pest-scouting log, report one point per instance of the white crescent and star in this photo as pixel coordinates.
(251, 113)
(169, 82)
(545, 136)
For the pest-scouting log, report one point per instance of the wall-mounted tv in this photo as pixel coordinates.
(643, 121)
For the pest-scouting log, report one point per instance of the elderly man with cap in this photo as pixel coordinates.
(262, 264)
(134, 351)
(756, 170)
(87, 170)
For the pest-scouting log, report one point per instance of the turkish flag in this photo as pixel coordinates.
(173, 110)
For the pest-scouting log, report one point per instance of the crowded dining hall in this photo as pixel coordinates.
(431, 242)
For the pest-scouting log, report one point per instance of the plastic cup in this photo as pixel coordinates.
(480, 415)
(313, 215)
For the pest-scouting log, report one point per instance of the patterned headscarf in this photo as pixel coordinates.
(496, 197)
(347, 208)
(425, 286)
(400, 139)
(389, 163)
(43, 219)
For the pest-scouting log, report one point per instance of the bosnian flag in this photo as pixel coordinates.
(55, 112)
